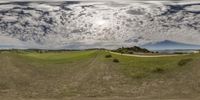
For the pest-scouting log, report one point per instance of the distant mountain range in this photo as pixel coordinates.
(169, 45)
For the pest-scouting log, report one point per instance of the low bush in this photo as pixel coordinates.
(178, 53)
(115, 60)
(183, 62)
(108, 56)
(158, 70)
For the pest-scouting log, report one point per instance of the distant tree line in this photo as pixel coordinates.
(45, 50)
(132, 50)
(34, 50)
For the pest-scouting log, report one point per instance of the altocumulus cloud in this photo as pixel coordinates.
(107, 24)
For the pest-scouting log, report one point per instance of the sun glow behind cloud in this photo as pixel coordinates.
(100, 22)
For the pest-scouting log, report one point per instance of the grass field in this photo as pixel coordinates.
(89, 75)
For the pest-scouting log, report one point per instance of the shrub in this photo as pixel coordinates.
(158, 70)
(183, 62)
(115, 60)
(108, 56)
(178, 53)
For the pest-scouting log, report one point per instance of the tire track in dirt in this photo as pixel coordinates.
(83, 74)
(100, 78)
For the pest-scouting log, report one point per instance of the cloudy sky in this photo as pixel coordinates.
(108, 24)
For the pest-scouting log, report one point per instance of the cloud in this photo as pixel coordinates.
(83, 25)
(119, 1)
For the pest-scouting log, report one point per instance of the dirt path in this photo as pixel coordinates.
(134, 55)
(97, 79)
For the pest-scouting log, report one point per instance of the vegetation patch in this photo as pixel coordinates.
(108, 56)
(132, 50)
(158, 70)
(151, 66)
(62, 57)
(115, 60)
(183, 62)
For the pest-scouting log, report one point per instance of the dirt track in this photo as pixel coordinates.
(135, 55)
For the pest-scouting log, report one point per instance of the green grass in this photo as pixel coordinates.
(136, 67)
(56, 57)
(51, 63)
(139, 67)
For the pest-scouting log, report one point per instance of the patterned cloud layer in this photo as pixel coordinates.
(79, 25)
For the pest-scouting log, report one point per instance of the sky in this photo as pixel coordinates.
(103, 24)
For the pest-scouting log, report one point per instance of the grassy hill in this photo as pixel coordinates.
(89, 75)
(132, 50)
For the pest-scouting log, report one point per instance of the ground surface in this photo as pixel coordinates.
(149, 55)
(88, 75)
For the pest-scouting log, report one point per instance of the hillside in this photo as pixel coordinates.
(132, 50)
